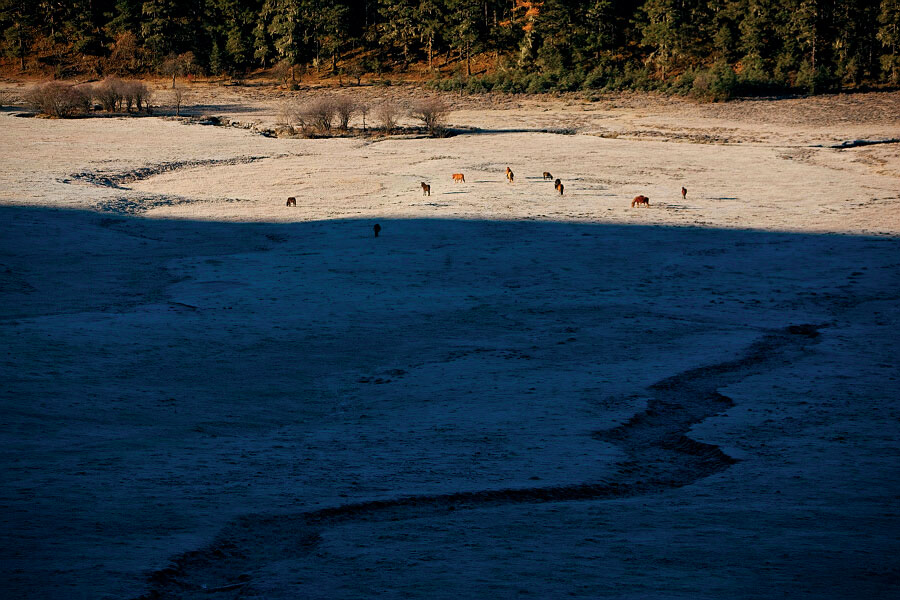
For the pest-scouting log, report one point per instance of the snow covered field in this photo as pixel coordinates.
(507, 394)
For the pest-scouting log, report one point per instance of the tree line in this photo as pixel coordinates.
(717, 46)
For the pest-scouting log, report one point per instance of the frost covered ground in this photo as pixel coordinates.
(507, 394)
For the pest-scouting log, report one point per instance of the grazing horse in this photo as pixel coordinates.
(377, 229)
(558, 186)
(547, 175)
(426, 189)
(459, 177)
(683, 192)
(640, 200)
(510, 175)
(291, 201)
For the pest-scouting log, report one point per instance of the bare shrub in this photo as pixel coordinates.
(127, 92)
(109, 93)
(58, 99)
(180, 65)
(142, 94)
(363, 109)
(132, 93)
(387, 114)
(287, 115)
(88, 91)
(344, 108)
(291, 117)
(178, 99)
(318, 114)
(432, 112)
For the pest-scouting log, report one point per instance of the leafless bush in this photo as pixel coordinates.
(142, 94)
(180, 65)
(58, 99)
(109, 93)
(387, 114)
(318, 114)
(363, 112)
(133, 94)
(178, 98)
(287, 115)
(432, 112)
(344, 108)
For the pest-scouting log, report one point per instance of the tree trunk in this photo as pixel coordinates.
(468, 61)
(431, 52)
(173, 80)
(21, 47)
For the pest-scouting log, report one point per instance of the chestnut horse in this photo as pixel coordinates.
(291, 201)
(426, 189)
(683, 192)
(640, 200)
(547, 175)
(459, 177)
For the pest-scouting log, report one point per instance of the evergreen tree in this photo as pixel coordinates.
(397, 28)
(889, 36)
(286, 28)
(160, 26)
(17, 20)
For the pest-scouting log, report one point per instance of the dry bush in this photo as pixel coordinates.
(290, 117)
(58, 99)
(432, 112)
(344, 108)
(109, 93)
(386, 114)
(318, 114)
(179, 97)
(287, 115)
(142, 94)
(363, 109)
(133, 94)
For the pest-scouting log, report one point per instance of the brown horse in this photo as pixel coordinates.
(291, 201)
(510, 175)
(683, 192)
(640, 200)
(426, 189)
(459, 177)
(547, 175)
(558, 186)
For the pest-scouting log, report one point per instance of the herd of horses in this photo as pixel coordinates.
(511, 177)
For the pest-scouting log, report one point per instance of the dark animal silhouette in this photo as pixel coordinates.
(683, 192)
(640, 200)
(547, 175)
(459, 177)
(291, 201)
(377, 229)
(426, 189)
(510, 175)
(558, 186)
